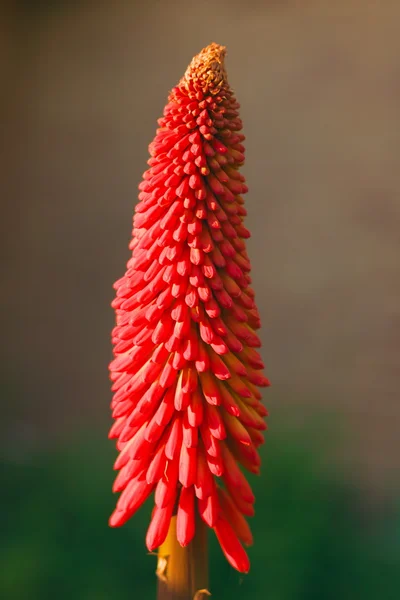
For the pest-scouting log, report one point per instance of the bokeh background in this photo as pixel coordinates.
(319, 85)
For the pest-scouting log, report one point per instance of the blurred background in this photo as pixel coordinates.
(83, 84)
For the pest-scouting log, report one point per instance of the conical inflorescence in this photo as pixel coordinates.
(186, 372)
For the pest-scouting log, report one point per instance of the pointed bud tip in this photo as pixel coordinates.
(116, 519)
(207, 72)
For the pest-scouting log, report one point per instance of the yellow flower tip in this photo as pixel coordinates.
(207, 72)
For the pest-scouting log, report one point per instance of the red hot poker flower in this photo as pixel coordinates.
(186, 370)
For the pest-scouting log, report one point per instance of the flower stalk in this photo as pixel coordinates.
(183, 571)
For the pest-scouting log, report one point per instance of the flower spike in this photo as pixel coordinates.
(186, 369)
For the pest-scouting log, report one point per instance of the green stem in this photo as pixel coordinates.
(183, 572)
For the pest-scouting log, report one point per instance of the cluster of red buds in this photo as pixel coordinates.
(187, 408)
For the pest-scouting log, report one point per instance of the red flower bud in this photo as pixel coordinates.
(185, 371)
